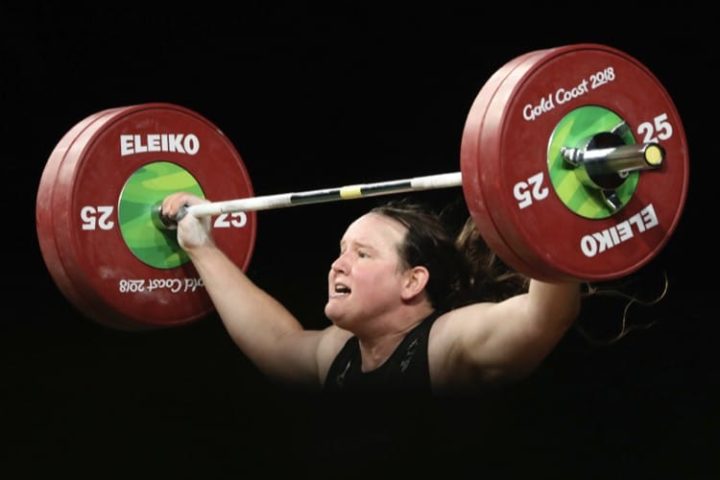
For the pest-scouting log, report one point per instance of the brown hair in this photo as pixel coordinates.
(490, 278)
(462, 270)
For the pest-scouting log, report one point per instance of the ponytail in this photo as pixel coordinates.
(490, 279)
(462, 270)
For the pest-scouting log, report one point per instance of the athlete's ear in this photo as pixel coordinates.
(415, 280)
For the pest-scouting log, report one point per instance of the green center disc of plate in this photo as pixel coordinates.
(143, 191)
(574, 131)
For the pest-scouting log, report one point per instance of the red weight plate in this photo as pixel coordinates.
(514, 150)
(50, 229)
(44, 215)
(105, 251)
(473, 173)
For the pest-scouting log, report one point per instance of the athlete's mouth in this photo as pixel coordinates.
(340, 290)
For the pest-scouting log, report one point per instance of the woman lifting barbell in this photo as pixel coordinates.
(400, 300)
(558, 197)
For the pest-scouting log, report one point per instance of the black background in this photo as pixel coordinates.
(315, 97)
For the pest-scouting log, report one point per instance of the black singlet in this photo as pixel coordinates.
(407, 369)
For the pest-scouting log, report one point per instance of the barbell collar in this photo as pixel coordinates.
(621, 160)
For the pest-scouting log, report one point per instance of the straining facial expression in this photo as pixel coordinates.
(367, 277)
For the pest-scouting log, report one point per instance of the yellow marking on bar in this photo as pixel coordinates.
(351, 191)
(654, 155)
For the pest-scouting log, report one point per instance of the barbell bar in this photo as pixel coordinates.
(601, 162)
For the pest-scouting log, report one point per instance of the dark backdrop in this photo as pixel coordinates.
(315, 97)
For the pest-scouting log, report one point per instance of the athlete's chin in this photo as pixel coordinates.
(333, 313)
(330, 311)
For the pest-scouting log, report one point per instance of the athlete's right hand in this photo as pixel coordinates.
(192, 232)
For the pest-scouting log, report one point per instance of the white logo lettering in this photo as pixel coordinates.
(188, 144)
(547, 102)
(599, 242)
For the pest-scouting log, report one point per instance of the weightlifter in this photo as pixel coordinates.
(408, 306)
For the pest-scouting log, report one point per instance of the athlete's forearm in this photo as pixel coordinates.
(554, 305)
(256, 321)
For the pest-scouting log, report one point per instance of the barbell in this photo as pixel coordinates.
(574, 166)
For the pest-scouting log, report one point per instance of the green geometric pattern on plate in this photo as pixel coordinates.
(146, 188)
(574, 131)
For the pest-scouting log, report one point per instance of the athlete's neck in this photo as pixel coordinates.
(376, 349)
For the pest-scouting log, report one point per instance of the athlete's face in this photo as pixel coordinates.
(366, 279)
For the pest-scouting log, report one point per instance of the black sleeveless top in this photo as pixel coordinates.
(407, 369)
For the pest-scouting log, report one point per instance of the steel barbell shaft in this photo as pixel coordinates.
(627, 158)
(620, 156)
(348, 192)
